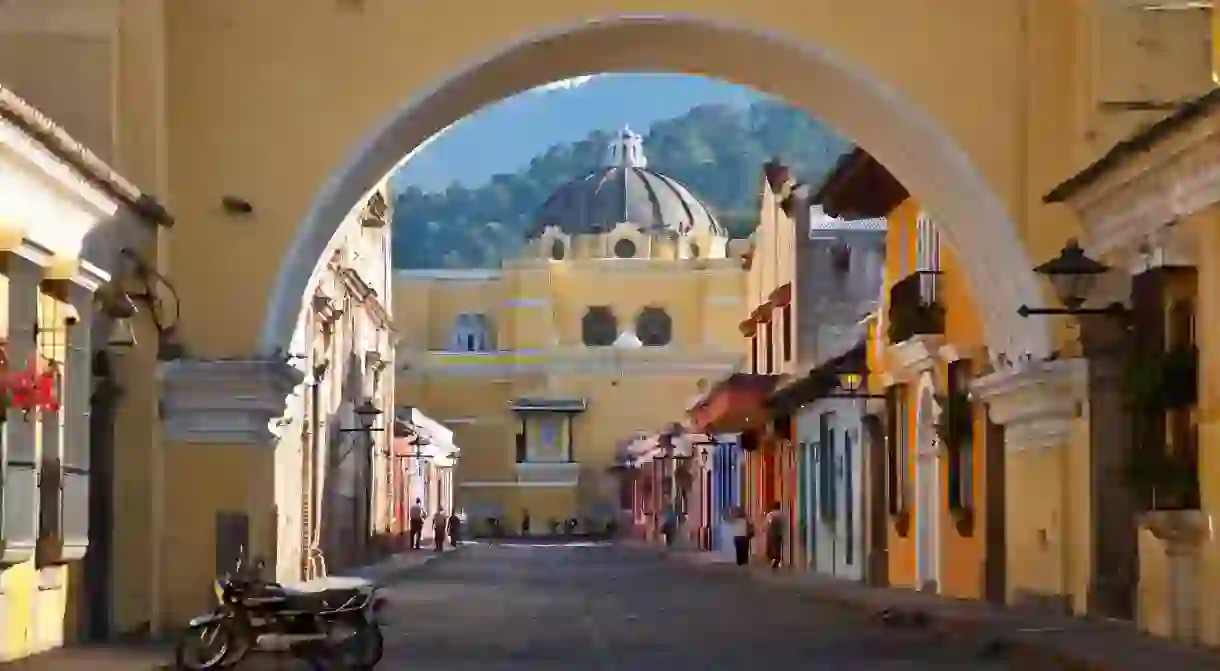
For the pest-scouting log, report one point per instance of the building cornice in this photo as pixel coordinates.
(91, 176)
(907, 359)
(661, 360)
(224, 401)
(1037, 402)
(1176, 176)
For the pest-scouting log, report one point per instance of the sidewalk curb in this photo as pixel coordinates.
(991, 638)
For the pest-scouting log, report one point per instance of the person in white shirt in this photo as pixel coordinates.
(417, 517)
(739, 529)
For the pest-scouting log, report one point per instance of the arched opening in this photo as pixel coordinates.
(598, 326)
(654, 327)
(917, 150)
(624, 248)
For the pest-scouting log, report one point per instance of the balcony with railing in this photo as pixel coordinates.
(915, 308)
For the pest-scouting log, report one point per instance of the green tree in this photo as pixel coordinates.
(716, 150)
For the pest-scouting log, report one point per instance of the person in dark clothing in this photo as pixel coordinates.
(775, 535)
(525, 522)
(739, 529)
(455, 528)
(439, 523)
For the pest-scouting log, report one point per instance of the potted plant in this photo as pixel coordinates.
(1159, 383)
(963, 520)
(1180, 377)
(1167, 481)
(902, 522)
(956, 419)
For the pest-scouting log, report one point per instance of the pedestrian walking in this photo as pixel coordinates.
(739, 530)
(418, 515)
(440, 522)
(669, 526)
(775, 535)
(455, 528)
(525, 522)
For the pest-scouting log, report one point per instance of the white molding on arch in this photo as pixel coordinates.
(913, 146)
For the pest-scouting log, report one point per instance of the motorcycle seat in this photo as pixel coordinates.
(325, 593)
(319, 586)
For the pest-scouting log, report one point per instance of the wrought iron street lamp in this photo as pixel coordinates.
(1073, 274)
(851, 383)
(366, 414)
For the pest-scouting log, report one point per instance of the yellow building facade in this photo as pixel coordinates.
(72, 230)
(624, 301)
(178, 96)
(1152, 217)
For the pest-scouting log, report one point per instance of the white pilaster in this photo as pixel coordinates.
(19, 465)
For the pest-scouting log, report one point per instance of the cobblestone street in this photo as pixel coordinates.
(605, 608)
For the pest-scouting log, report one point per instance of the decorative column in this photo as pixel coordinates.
(19, 466)
(1046, 475)
(1182, 533)
(79, 381)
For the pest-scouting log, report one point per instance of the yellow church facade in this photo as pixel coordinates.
(622, 304)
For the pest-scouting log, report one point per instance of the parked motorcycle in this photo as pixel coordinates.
(331, 623)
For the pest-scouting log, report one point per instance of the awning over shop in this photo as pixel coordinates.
(735, 404)
(416, 431)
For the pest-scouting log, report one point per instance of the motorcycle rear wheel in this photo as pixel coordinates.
(204, 647)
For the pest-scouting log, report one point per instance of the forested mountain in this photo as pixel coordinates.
(716, 150)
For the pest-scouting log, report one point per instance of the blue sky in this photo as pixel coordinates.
(505, 136)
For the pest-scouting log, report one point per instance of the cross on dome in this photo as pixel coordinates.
(626, 150)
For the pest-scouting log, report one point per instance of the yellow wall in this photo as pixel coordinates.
(537, 309)
(773, 265)
(1207, 237)
(1024, 128)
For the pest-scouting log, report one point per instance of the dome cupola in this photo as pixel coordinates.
(622, 191)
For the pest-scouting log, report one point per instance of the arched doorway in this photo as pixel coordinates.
(917, 149)
(927, 488)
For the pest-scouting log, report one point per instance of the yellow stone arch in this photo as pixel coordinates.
(913, 145)
(285, 103)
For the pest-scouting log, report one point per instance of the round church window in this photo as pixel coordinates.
(624, 248)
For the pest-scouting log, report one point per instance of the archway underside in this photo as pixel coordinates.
(915, 148)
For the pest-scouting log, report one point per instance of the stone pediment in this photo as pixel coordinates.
(225, 401)
(1036, 402)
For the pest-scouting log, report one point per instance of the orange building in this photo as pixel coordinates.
(940, 495)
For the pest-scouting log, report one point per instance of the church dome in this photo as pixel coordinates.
(625, 190)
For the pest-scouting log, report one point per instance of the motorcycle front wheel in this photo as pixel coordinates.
(204, 646)
(364, 650)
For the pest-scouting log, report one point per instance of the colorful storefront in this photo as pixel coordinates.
(726, 487)
(937, 464)
(737, 405)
